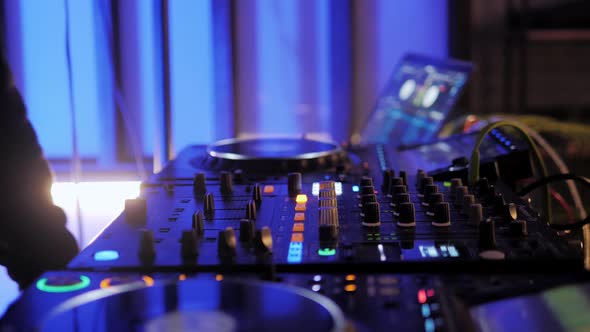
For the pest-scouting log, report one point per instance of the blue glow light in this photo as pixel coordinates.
(355, 189)
(106, 255)
(425, 310)
(429, 325)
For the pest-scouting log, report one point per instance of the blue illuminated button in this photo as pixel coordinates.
(327, 252)
(106, 255)
(426, 310)
(429, 325)
(62, 284)
(355, 189)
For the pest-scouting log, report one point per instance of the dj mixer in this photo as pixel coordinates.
(293, 234)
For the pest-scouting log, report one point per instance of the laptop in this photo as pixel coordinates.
(415, 102)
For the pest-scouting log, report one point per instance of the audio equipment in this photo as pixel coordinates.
(294, 234)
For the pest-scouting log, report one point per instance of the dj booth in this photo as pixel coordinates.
(402, 231)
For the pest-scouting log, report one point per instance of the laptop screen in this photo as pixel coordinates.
(416, 100)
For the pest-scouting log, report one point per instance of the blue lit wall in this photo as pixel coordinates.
(284, 75)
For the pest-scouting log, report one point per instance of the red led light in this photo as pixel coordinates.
(422, 296)
(430, 292)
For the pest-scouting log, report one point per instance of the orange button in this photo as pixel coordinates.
(301, 199)
(300, 207)
(299, 216)
(350, 288)
(350, 277)
(297, 237)
(298, 227)
(268, 189)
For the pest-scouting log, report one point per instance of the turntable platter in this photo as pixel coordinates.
(274, 155)
(199, 304)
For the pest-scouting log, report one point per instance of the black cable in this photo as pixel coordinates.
(555, 178)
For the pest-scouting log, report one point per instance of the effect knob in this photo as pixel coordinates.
(294, 184)
(257, 195)
(209, 206)
(263, 241)
(442, 215)
(251, 210)
(459, 193)
(367, 190)
(420, 175)
(198, 223)
(404, 176)
(406, 215)
(388, 175)
(427, 190)
(136, 212)
(247, 230)
(518, 228)
(147, 249)
(188, 244)
(226, 183)
(371, 214)
(475, 214)
(399, 199)
(199, 184)
(487, 241)
(366, 181)
(468, 200)
(226, 243)
(398, 189)
(365, 199)
(455, 182)
(431, 201)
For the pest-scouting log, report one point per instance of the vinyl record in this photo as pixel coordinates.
(198, 304)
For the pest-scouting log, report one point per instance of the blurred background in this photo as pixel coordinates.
(116, 88)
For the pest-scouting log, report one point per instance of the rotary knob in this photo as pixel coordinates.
(198, 223)
(263, 241)
(365, 199)
(442, 215)
(251, 210)
(199, 184)
(468, 200)
(371, 214)
(247, 230)
(226, 243)
(431, 201)
(388, 174)
(475, 214)
(226, 183)
(459, 193)
(366, 181)
(257, 195)
(188, 244)
(406, 215)
(399, 199)
(209, 206)
(455, 182)
(147, 249)
(404, 176)
(420, 175)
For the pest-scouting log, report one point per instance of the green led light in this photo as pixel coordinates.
(447, 184)
(43, 286)
(327, 252)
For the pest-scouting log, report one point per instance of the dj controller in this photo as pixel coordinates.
(295, 234)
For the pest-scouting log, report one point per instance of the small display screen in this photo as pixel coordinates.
(560, 309)
(416, 101)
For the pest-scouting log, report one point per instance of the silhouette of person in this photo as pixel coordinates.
(33, 234)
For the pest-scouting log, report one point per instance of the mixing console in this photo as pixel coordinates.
(230, 239)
